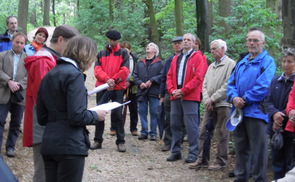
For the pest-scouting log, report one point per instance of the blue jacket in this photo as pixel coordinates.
(5, 42)
(277, 99)
(250, 81)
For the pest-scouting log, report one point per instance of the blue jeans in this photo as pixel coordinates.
(16, 112)
(153, 103)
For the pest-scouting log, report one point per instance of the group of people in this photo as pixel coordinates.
(49, 82)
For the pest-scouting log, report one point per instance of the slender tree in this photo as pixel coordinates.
(53, 12)
(225, 8)
(23, 8)
(153, 25)
(179, 17)
(46, 19)
(202, 23)
(111, 10)
(288, 7)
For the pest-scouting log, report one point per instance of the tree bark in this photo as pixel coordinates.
(53, 12)
(153, 25)
(288, 11)
(275, 6)
(111, 10)
(23, 8)
(202, 23)
(179, 17)
(225, 9)
(46, 19)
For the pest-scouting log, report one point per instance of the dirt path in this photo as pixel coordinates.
(142, 162)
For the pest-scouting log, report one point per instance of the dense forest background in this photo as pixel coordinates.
(143, 21)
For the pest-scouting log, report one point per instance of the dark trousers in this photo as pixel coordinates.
(282, 158)
(251, 150)
(133, 109)
(60, 168)
(116, 116)
(16, 112)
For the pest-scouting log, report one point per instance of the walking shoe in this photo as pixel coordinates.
(190, 159)
(112, 133)
(134, 133)
(174, 157)
(121, 147)
(197, 165)
(10, 153)
(153, 138)
(142, 137)
(166, 148)
(216, 167)
(96, 145)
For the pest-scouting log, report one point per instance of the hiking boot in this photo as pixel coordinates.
(96, 145)
(10, 153)
(174, 157)
(216, 167)
(197, 165)
(134, 133)
(166, 148)
(142, 137)
(121, 147)
(153, 138)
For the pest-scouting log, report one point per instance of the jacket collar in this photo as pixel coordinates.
(282, 77)
(69, 61)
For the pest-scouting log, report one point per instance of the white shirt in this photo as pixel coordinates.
(16, 59)
(181, 66)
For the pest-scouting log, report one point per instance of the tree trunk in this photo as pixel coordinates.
(202, 23)
(275, 6)
(153, 26)
(78, 6)
(23, 8)
(53, 12)
(288, 12)
(111, 10)
(225, 8)
(46, 19)
(179, 17)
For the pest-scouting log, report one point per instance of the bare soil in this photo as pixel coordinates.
(142, 162)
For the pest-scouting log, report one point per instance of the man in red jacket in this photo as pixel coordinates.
(111, 68)
(184, 84)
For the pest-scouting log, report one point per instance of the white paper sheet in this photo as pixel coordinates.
(108, 106)
(98, 89)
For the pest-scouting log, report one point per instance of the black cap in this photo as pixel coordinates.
(113, 34)
(177, 39)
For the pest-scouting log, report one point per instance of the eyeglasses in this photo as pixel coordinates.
(252, 40)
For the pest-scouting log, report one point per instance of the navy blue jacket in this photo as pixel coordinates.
(163, 88)
(277, 100)
(153, 72)
(5, 42)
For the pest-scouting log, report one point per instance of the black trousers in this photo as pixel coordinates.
(60, 168)
(116, 116)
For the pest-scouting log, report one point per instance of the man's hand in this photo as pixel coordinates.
(111, 83)
(177, 93)
(148, 84)
(292, 117)
(127, 84)
(209, 104)
(278, 118)
(142, 86)
(101, 114)
(239, 102)
(13, 86)
(162, 100)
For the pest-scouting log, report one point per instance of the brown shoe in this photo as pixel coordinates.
(197, 165)
(113, 133)
(134, 133)
(96, 145)
(121, 147)
(166, 148)
(215, 167)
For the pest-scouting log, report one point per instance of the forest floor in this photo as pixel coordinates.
(142, 162)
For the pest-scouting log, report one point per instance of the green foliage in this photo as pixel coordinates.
(247, 14)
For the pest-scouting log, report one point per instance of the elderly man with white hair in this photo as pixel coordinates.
(147, 75)
(217, 109)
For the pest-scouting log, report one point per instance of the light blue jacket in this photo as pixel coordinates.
(250, 81)
(29, 49)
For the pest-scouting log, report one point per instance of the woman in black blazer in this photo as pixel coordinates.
(62, 108)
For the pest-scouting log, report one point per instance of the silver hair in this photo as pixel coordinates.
(156, 47)
(289, 52)
(192, 36)
(220, 43)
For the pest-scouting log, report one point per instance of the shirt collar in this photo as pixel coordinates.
(282, 77)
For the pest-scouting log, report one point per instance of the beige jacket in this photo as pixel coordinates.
(215, 82)
(6, 74)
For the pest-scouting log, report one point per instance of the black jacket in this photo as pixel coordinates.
(153, 72)
(62, 108)
(277, 100)
(163, 89)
